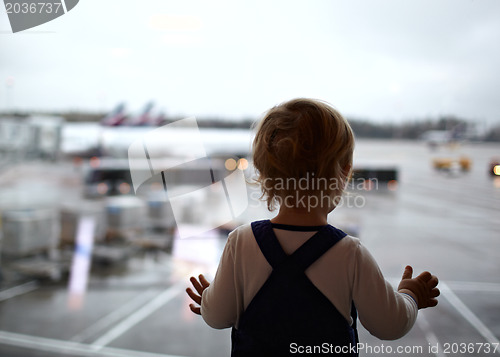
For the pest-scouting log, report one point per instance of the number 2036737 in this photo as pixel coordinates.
(33, 7)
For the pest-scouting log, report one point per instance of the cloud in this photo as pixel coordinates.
(370, 58)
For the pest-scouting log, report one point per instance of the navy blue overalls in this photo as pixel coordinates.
(289, 312)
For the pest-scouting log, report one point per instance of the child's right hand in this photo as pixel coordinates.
(200, 286)
(422, 288)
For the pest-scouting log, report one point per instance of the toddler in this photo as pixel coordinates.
(295, 284)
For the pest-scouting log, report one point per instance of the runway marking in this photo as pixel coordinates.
(68, 347)
(139, 315)
(467, 314)
(459, 305)
(457, 285)
(473, 286)
(430, 336)
(18, 290)
(115, 316)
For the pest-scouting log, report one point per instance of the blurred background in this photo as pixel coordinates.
(94, 264)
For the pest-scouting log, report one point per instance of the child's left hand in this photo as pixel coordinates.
(200, 286)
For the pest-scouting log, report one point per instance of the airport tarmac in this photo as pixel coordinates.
(447, 222)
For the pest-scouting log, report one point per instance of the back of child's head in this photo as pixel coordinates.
(302, 147)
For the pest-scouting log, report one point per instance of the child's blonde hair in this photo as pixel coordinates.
(302, 139)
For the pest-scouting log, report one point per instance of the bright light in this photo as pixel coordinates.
(102, 188)
(243, 164)
(124, 188)
(230, 164)
(496, 170)
(392, 185)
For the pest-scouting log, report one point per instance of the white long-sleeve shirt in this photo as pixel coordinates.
(346, 272)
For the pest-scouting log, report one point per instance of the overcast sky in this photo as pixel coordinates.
(384, 60)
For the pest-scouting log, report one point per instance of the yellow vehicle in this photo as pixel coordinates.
(495, 167)
(462, 163)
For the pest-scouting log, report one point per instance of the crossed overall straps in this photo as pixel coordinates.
(325, 238)
(289, 308)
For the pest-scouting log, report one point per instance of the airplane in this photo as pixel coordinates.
(116, 117)
(145, 116)
(86, 140)
(219, 142)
